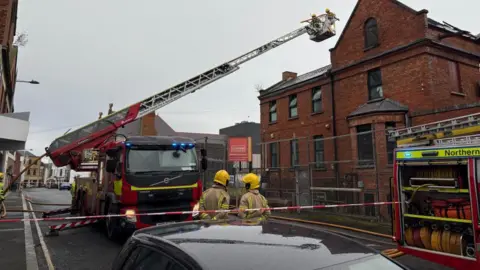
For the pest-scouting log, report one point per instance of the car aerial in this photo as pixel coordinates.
(237, 244)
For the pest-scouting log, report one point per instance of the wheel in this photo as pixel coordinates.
(112, 226)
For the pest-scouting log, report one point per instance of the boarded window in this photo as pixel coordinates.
(365, 145)
(455, 81)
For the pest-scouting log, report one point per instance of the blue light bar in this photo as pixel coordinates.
(408, 154)
(128, 144)
(183, 145)
(174, 144)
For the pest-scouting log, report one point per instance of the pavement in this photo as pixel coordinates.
(24, 245)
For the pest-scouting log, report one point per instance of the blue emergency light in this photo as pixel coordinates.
(183, 145)
(408, 154)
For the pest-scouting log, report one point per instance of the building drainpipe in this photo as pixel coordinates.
(334, 131)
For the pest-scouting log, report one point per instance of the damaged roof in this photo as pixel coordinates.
(383, 105)
(299, 79)
(452, 29)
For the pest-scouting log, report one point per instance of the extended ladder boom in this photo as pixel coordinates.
(438, 132)
(67, 149)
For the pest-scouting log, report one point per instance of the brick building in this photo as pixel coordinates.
(392, 66)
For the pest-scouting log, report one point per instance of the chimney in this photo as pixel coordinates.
(147, 125)
(288, 75)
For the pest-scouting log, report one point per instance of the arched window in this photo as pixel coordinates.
(371, 33)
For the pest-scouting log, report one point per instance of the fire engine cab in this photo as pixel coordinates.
(437, 184)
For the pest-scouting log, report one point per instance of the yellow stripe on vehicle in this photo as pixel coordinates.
(134, 188)
(117, 187)
(439, 153)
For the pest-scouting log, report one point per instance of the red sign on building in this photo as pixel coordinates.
(239, 149)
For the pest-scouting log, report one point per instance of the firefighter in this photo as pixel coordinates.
(253, 199)
(3, 211)
(1, 187)
(216, 197)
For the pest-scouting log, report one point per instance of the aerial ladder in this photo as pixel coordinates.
(453, 131)
(67, 149)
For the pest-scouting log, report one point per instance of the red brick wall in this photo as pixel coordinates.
(397, 26)
(419, 77)
(458, 42)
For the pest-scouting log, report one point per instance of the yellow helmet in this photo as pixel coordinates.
(251, 181)
(314, 15)
(222, 177)
(327, 10)
(1, 175)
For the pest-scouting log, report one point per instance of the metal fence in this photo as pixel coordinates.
(313, 170)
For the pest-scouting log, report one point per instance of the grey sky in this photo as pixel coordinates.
(89, 53)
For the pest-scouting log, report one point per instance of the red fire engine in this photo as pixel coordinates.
(145, 174)
(437, 185)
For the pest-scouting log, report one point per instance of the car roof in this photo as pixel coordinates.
(267, 245)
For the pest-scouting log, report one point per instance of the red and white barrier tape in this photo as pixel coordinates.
(75, 224)
(198, 212)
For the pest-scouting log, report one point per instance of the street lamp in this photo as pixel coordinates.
(30, 82)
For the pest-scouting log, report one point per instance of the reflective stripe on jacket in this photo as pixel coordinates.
(252, 200)
(214, 198)
(1, 191)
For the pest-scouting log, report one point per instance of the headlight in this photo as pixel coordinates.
(195, 210)
(130, 215)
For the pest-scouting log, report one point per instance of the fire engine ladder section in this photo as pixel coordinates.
(73, 143)
(452, 131)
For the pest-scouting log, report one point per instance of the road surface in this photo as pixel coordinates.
(88, 248)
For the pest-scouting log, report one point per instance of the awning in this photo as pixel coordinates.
(14, 129)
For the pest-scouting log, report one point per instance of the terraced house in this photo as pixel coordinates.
(391, 67)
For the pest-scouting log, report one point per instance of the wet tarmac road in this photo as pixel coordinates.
(88, 247)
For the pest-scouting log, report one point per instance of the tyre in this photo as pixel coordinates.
(112, 226)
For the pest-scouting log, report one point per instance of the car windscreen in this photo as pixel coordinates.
(161, 160)
(367, 263)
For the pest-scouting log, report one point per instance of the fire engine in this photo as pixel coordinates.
(145, 174)
(437, 184)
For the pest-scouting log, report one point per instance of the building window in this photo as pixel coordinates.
(375, 89)
(292, 106)
(319, 151)
(34, 172)
(317, 100)
(391, 144)
(455, 79)
(294, 152)
(274, 155)
(273, 111)
(371, 33)
(365, 145)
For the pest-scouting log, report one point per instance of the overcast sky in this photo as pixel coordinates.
(87, 54)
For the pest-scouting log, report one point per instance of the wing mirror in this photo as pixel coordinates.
(111, 165)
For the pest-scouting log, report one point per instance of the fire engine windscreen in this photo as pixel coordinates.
(161, 160)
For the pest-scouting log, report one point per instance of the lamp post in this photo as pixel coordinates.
(30, 82)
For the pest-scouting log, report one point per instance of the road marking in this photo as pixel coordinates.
(11, 230)
(31, 255)
(48, 258)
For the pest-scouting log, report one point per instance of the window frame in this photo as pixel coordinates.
(370, 34)
(294, 154)
(291, 107)
(319, 140)
(317, 101)
(362, 149)
(390, 151)
(272, 111)
(273, 145)
(374, 85)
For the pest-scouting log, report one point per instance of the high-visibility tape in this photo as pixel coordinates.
(309, 207)
(61, 227)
